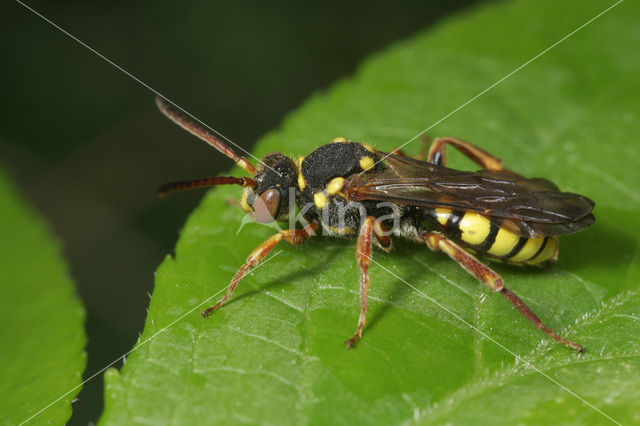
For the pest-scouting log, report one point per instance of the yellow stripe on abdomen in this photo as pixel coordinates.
(513, 248)
(549, 252)
(491, 238)
(528, 250)
(505, 242)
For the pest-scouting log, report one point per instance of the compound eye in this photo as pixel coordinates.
(267, 205)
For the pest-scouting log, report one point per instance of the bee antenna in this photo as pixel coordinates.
(174, 114)
(204, 183)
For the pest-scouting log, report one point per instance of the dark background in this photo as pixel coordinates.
(87, 147)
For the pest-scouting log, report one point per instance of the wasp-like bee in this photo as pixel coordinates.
(494, 213)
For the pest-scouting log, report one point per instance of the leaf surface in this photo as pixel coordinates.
(274, 354)
(42, 333)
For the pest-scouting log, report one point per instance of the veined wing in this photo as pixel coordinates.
(535, 206)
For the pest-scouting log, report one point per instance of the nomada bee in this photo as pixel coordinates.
(493, 213)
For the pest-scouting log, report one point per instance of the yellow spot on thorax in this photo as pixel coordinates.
(474, 228)
(368, 147)
(366, 162)
(335, 185)
(320, 200)
(339, 139)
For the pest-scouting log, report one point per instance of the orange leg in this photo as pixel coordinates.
(363, 255)
(438, 153)
(424, 151)
(398, 151)
(294, 237)
(437, 241)
(422, 155)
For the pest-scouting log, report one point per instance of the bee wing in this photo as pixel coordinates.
(536, 206)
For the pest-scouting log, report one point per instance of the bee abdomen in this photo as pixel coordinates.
(490, 238)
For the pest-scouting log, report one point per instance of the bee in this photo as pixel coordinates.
(493, 213)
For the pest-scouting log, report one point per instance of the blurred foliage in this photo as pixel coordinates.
(42, 337)
(275, 354)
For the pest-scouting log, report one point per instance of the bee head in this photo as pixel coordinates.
(269, 200)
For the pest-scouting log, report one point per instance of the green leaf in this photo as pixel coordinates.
(42, 333)
(275, 354)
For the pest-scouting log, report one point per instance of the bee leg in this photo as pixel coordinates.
(398, 151)
(370, 226)
(423, 152)
(438, 153)
(488, 277)
(294, 237)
